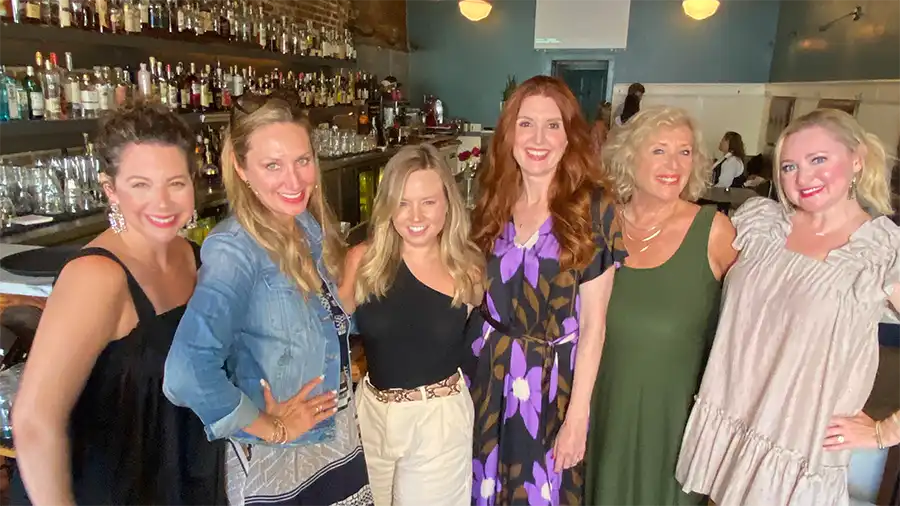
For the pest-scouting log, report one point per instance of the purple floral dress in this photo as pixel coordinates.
(523, 356)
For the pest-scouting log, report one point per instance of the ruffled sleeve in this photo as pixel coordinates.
(609, 248)
(888, 234)
(759, 217)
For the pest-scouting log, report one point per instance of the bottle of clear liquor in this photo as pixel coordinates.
(52, 87)
(90, 96)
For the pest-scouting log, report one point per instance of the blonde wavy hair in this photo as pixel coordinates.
(287, 248)
(873, 184)
(378, 266)
(622, 148)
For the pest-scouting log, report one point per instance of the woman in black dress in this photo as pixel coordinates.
(92, 425)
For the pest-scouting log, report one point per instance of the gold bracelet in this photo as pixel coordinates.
(878, 435)
(280, 434)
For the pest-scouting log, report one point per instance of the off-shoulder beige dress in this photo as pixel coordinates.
(796, 344)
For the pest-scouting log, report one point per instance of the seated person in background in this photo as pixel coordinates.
(630, 107)
(729, 169)
(636, 90)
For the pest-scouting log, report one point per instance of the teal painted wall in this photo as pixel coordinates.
(864, 49)
(466, 63)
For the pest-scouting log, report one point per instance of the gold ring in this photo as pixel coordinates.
(840, 439)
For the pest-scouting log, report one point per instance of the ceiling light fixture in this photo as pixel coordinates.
(700, 9)
(475, 10)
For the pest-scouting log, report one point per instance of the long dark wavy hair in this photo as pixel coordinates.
(575, 181)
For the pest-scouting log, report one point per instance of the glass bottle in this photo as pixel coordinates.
(4, 98)
(52, 88)
(145, 83)
(90, 96)
(71, 90)
(172, 89)
(101, 16)
(13, 97)
(35, 92)
(106, 93)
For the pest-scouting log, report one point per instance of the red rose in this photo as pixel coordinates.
(464, 156)
(476, 152)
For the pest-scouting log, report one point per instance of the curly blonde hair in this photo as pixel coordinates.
(285, 246)
(380, 262)
(873, 185)
(621, 150)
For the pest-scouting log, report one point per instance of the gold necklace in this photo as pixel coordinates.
(654, 230)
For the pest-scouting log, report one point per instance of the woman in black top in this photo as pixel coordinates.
(91, 424)
(413, 283)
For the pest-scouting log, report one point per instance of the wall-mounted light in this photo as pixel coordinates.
(475, 10)
(700, 9)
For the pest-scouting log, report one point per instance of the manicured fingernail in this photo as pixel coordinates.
(322, 377)
(334, 392)
(262, 383)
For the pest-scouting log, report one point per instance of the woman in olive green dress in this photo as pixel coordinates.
(662, 312)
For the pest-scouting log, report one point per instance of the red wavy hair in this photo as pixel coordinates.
(576, 179)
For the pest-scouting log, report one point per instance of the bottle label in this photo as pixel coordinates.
(90, 100)
(185, 97)
(73, 93)
(102, 9)
(145, 13)
(205, 96)
(173, 97)
(129, 23)
(37, 103)
(105, 99)
(52, 106)
(33, 10)
(163, 92)
(13, 101)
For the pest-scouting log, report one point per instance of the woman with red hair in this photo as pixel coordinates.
(550, 237)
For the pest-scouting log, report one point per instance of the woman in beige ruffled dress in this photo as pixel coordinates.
(796, 351)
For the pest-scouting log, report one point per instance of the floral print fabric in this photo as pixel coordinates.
(524, 341)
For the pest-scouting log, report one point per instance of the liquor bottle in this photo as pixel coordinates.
(102, 16)
(9, 12)
(145, 83)
(206, 96)
(65, 13)
(106, 93)
(190, 90)
(71, 90)
(90, 96)
(131, 16)
(144, 15)
(161, 84)
(4, 97)
(10, 85)
(88, 19)
(172, 88)
(52, 88)
(32, 86)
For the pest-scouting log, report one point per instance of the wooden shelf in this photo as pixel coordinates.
(25, 135)
(67, 39)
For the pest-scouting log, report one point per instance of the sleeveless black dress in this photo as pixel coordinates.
(129, 444)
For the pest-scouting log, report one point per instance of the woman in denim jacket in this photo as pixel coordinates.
(261, 355)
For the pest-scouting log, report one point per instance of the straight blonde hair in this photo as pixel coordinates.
(286, 247)
(378, 266)
(873, 184)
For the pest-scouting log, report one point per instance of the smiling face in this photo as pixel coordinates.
(281, 168)
(540, 138)
(816, 169)
(664, 163)
(153, 189)
(422, 211)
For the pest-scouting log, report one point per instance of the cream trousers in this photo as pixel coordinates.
(418, 452)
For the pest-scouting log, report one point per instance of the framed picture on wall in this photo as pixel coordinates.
(848, 106)
(781, 110)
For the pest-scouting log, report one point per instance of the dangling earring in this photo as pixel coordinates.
(252, 189)
(116, 219)
(852, 194)
(192, 223)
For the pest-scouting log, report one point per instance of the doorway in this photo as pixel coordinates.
(588, 80)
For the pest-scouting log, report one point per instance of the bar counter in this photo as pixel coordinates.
(339, 180)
